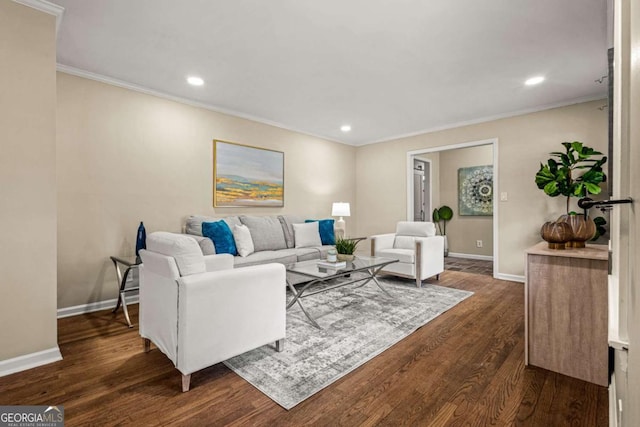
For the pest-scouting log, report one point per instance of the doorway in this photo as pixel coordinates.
(441, 187)
(421, 189)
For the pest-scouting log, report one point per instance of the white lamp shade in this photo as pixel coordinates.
(341, 209)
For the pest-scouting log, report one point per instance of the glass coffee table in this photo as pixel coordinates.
(318, 274)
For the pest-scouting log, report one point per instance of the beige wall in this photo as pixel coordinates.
(463, 231)
(125, 157)
(27, 181)
(524, 142)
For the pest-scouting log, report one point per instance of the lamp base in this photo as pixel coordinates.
(340, 228)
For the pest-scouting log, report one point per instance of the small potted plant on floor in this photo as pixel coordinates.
(346, 248)
(440, 218)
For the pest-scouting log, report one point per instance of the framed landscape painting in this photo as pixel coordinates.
(245, 176)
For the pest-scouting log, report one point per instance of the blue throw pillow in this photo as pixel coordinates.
(327, 235)
(221, 235)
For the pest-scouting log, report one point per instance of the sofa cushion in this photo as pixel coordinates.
(307, 234)
(327, 233)
(306, 254)
(242, 236)
(266, 232)
(221, 235)
(287, 222)
(264, 257)
(193, 224)
(183, 249)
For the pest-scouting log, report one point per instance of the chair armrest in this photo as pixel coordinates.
(226, 313)
(218, 262)
(430, 260)
(205, 243)
(381, 241)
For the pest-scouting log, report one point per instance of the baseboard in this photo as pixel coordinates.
(510, 277)
(471, 256)
(29, 361)
(93, 306)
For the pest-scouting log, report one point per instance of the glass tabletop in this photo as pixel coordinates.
(314, 268)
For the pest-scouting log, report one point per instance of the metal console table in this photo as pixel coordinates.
(129, 263)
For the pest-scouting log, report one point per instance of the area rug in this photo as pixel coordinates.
(358, 324)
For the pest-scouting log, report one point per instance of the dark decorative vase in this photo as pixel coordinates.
(582, 229)
(556, 234)
(141, 240)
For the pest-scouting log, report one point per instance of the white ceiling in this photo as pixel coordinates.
(387, 68)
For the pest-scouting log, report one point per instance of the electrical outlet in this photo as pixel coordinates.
(503, 196)
(478, 243)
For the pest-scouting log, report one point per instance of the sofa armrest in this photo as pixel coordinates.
(218, 262)
(381, 241)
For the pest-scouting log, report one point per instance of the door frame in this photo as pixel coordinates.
(494, 143)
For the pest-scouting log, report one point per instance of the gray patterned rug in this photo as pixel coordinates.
(358, 324)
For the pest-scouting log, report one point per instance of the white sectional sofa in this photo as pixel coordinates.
(273, 238)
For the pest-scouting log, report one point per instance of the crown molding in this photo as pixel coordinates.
(126, 85)
(137, 88)
(490, 118)
(46, 7)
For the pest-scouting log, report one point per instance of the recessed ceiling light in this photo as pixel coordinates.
(534, 81)
(195, 81)
(345, 128)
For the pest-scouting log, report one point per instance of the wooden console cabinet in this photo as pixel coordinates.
(566, 311)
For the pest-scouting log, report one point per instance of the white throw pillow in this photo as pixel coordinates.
(307, 235)
(244, 242)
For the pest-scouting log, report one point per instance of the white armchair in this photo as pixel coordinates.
(199, 310)
(417, 248)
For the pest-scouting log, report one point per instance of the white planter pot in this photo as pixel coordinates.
(446, 246)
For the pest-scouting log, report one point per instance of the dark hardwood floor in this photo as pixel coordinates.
(463, 368)
(467, 265)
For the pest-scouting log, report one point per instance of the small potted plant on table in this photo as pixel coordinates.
(346, 248)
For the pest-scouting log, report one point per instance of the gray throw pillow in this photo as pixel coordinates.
(194, 223)
(266, 232)
(287, 222)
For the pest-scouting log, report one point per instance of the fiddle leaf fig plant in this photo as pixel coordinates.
(561, 177)
(440, 217)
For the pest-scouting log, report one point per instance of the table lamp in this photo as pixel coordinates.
(340, 209)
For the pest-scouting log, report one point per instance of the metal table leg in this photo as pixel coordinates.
(122, 279)
(296, 298)
(298, 295)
